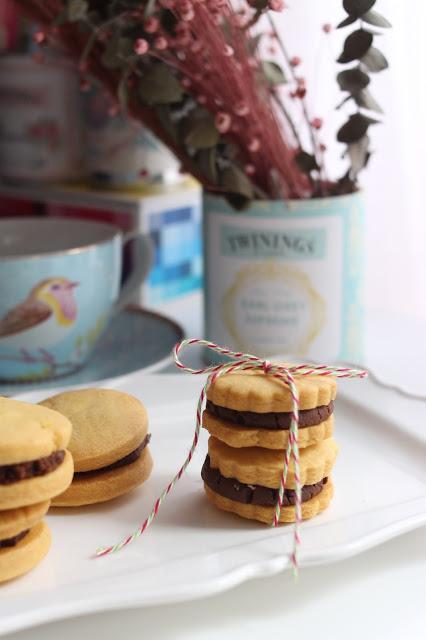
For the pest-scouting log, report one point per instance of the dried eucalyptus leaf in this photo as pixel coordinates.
(164, 116)
(343, 102)
(149, 8)
(238, 201)
(159, 85)
(358, 154)
(181, 110)
(112, 57)
(275, 185)
(352, 80)
(365, 100)
(346, 184)
(223, 157)
(77, 10)
(234, 180)
(260, 5)
(357, 8)
(376, 19)
(253, 43)
(125, 47)
(201, 131)
(273, 73)
(122, 92)
(346, 22)
(355, 128)
(374, 60)
(206, 161)
(306, 162)
(356, 46)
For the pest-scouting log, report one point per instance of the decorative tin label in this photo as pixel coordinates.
(281, 281)
(274, 306)
(299, 244)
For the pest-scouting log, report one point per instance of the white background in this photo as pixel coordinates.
(395, 180)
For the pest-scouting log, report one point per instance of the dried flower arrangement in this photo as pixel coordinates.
(191, 71)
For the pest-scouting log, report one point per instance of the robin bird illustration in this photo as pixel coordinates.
(42, 319)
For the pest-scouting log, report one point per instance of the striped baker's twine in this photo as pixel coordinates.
(246, 362)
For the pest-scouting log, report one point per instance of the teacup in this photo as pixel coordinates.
(59, 285)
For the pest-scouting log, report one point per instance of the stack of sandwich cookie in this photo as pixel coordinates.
(109, 444)
(248, 416)
(34, 467)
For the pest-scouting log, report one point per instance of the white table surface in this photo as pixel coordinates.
(378, 594)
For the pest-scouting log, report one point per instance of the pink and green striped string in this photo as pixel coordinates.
(245, 362)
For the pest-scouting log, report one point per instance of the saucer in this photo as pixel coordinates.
(136, 340)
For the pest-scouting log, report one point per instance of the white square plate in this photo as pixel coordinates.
(193, 550)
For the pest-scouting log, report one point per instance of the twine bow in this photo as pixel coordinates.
(247, 362)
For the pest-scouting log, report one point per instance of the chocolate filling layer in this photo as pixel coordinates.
(10, 473)
(254, 493)
(10, 542)
(123, 462)
(307, 417)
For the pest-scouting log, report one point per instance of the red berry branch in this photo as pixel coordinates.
(191, 71)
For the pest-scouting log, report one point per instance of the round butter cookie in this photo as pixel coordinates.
(253, 409)
(34, 463)
(310, 508)
(109, 444)
(260, 393)
(14, 521)
(258, 466)
(107, 425)
(29, 431)
(20, 555)
(90, 488)
(239, 436)
(246, 481)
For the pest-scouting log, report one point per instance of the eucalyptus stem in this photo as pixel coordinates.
(254, 19)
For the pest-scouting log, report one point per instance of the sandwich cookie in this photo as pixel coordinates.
(34, 463)
(245, 481)
(109, 444)
(24, 539)
(251, 409)
(15, 521)
(24, 551)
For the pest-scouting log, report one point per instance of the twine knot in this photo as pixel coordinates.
(266, 366)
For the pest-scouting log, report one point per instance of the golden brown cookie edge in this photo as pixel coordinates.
(310, 508)
(255, 465)
(239, 437)
(107, 486)
(27, 554)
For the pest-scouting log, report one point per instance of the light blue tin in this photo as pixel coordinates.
(59, 285)
(286, 277)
